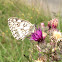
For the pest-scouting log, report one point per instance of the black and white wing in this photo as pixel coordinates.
(20, 28)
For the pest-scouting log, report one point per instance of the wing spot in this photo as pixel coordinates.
(16, 19)
(22, 20)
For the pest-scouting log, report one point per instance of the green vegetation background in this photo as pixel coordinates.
(12, 50)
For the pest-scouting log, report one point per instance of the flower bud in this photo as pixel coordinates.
(42, 25)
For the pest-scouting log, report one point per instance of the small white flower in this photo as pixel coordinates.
(57, 34)
(54, 49)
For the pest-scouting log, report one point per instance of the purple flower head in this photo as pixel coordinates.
(37, 36)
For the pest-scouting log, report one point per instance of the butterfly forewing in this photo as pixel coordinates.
(20, 28)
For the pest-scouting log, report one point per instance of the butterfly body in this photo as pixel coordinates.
(20, 28)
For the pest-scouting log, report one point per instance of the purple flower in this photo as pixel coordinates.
(37, 36)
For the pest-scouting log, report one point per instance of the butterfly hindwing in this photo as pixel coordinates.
(20, 28)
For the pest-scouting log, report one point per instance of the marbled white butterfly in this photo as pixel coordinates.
(20, 28)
